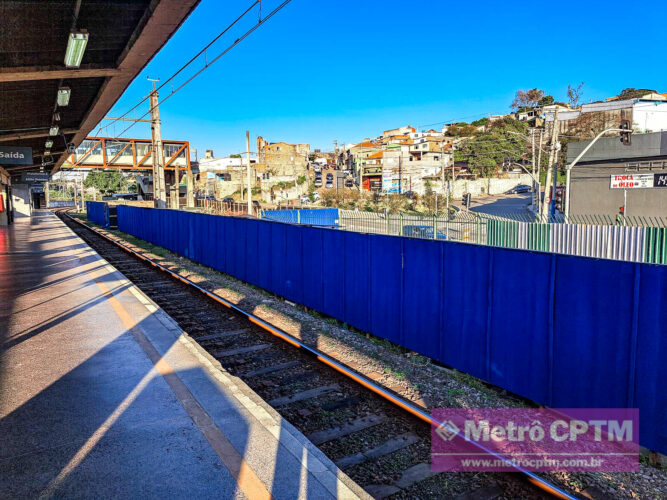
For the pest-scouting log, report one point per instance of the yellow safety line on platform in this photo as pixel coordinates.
(251, 485)
(249, 482)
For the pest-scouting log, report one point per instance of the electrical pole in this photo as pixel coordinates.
(159, 187)
(247, 147)
(532, 143)
(553, 157)
(539, 166)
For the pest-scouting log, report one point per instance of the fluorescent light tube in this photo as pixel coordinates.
(48, 144)
(63, 96)
(76, 45)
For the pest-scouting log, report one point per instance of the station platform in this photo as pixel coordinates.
(103, 395)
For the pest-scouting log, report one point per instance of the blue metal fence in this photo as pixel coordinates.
(98, 212)
(307, 216)
(562, 330)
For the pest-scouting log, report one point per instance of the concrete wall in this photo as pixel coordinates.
(591, 194)
(21, 200)
(488, 186)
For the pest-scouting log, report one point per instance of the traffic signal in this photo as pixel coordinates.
(558, 204)
(466, 200)
(626, 137)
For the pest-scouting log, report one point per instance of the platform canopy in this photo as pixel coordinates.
(44, 81)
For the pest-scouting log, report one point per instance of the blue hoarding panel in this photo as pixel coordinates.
(277, 257)
(98, 212)
(333, 268)
(221, 244)
(252, 247)
(465, 303)
(592, 329)
(293, 264)
(421, 295)
(385, 286)
(264, 262)
(649, 388)
(238, 245)
(520, 329)
(356, 275)
(313, 287)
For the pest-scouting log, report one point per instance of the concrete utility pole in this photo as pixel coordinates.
(539, 167)
(247, 147)
(159, 187)
(553, 157)
(532, 144)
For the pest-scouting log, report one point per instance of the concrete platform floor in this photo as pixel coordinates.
(103, 396)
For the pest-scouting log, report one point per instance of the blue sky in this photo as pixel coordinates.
(346, 69)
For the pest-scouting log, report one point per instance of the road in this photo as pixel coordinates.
(504, 205)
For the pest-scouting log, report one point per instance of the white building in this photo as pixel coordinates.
(647, 115)
(219, 164)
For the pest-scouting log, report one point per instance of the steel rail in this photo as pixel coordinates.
(339, 367)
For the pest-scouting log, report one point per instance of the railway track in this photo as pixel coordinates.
(379, 439)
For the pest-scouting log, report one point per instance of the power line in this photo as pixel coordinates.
(208, 64)
(202, 51)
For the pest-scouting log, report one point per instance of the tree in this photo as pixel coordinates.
(487, 150)
(527, 98)
(547, 100)
(631, 93)
(235, 156)
(106, 182)
(482, 122)
(574, 94)
(458, 130)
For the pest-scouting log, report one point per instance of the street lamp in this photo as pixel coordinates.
(568, 168)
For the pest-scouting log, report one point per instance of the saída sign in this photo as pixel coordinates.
(15, 155)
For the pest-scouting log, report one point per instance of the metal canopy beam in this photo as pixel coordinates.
(33, 135)
(32, 73)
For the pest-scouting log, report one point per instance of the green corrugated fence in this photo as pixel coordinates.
(655, 245)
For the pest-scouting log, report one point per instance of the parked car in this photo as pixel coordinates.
(422, 232)
(316, 195)
(318, 182)
(329, 184)
(349, 183)
(521, 188)
(329, 176)
(206, 197)
(317, 169)
(305, 199)
(228, 199)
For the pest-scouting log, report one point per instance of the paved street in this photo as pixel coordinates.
(502, 205)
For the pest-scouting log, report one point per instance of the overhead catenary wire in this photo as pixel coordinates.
(230, 47)
(184, 66)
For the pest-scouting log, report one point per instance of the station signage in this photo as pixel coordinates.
(33, 177)
(15, 155)
(638, 181)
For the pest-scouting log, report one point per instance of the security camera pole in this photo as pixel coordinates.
(626, 139)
